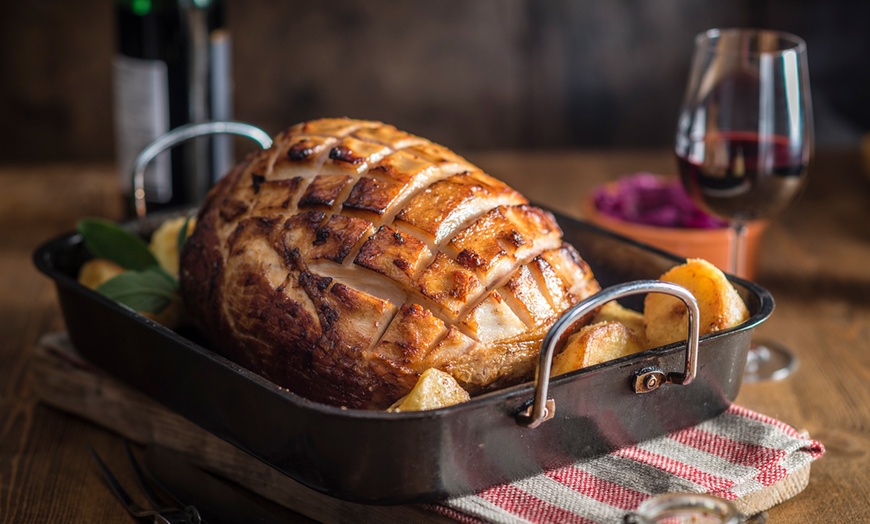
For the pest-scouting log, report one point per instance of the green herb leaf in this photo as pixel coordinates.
(105, 239)
(151, 290)
(182, 234)
(165, 274)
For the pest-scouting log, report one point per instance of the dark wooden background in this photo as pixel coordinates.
(469, 74)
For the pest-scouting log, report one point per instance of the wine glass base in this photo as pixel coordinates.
(768, 360)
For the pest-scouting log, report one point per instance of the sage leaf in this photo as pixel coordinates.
(149, 290)
(165, 274)
(105, 239)
(182, 234)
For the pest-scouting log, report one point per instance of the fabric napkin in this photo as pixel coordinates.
(732, 456)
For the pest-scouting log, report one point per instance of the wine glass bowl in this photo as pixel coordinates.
(745, 136)
(742, 176)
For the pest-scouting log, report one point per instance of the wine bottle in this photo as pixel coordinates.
(172, 68)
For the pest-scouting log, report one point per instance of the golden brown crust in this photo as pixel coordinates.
(351, 257)
(393, 254)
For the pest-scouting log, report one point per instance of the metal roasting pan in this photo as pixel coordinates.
(396, 458)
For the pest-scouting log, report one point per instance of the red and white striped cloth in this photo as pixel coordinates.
(731, 456)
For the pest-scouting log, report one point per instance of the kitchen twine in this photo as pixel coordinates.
(731, 456)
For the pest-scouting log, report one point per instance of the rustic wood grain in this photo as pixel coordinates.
(67, 385)
(814, 261)
(45, 472)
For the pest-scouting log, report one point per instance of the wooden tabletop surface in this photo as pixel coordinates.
(815, 260)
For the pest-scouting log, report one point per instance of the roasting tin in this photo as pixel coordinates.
(392, 458)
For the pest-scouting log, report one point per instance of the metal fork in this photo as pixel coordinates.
(159, 513)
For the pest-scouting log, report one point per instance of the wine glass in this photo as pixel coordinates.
(744, 140)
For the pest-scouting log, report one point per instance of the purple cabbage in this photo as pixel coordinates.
(651, 200)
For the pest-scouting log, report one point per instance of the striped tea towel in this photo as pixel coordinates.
(732, 456)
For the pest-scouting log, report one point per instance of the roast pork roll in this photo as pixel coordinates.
(350, 257)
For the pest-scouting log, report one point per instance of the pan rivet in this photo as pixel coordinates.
(648, 379)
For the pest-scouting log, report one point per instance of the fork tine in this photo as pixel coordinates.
(140, 478)
(132, 507)
(113, 483)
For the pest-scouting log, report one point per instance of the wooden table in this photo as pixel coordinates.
(815, 261)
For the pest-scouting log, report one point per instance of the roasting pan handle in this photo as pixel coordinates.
(183, 134)
(544, 408)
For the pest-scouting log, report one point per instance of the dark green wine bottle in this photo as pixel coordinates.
(172, 68)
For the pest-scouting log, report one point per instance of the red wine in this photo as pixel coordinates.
(741, 175)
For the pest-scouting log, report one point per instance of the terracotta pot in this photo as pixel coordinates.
(713, 245)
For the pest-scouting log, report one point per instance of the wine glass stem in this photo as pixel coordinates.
(738, 251)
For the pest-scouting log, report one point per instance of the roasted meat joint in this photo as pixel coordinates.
(350, 257)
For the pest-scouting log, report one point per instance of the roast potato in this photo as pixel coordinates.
(617, 331)
(164, 242)
(721, 307)
(164, 247)
(435, 389)
(98, 271)
(614, 311)
(596, 343)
